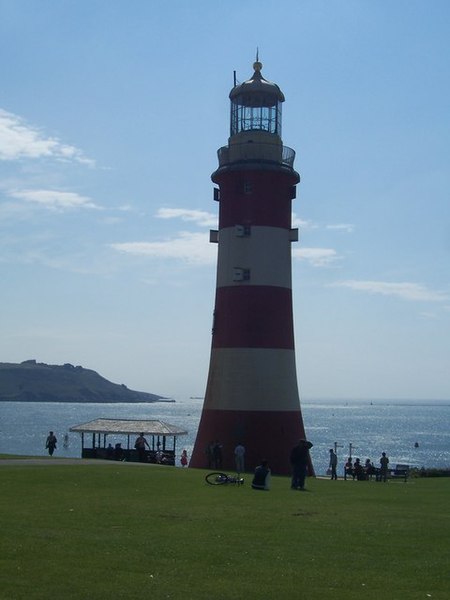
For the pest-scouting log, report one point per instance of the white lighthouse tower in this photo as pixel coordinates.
(252, 394)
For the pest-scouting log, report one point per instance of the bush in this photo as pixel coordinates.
(430, 472)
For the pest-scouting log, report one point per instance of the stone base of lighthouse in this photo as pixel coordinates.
(265, 434)
(251, 399)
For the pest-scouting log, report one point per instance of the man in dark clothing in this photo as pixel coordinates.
(261, 479)
(51, 442)
(333, 464)
(217, 455)
(299, 461)
(140, 444)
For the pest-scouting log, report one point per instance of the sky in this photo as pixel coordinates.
(111, 114)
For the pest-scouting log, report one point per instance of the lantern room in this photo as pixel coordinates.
(256, 105)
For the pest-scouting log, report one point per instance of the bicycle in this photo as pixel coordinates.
(217, 478)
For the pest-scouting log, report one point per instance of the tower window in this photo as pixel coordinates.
(241, 274)
(248, 187)
(242, 230)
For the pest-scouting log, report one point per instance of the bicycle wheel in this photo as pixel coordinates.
(216, 478)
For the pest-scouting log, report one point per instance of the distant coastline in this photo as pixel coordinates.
(31, 381)
(71, 401)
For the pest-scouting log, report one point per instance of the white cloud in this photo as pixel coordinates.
(298, 222)
(428, 315)
(200, 217)
(111, 220)
(19, 140)
(307, 224)
(317, 257)
(347, 227)
(53, 200)
(193, 248)
(406, 291)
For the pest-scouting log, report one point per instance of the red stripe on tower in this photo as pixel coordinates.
(252, 393)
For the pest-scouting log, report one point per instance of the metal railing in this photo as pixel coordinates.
(286, 158)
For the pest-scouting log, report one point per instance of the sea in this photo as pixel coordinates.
(416, 433)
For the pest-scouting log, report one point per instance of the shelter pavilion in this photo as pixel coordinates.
(160, 436)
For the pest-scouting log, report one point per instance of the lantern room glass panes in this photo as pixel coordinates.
(247, 116)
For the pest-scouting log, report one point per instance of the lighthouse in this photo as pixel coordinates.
(252, 393)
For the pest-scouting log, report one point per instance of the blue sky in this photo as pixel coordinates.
(111, 113)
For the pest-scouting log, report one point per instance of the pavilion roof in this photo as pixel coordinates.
(130, 426)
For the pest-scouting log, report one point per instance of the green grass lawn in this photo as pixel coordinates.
(130, 531)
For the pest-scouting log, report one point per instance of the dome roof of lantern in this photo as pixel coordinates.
(257, 84)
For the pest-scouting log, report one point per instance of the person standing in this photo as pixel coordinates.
(261, 478)
(51, 442)
(217, 454)
(184, 458)
(239, 455)
(384, 462)
(110, 452)
(299, 459)
(210, 454)
(333, 464)
(140, 444)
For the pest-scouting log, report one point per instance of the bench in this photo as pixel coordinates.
(364, 474)
(400, 472)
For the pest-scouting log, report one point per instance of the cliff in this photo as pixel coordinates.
(30, 381)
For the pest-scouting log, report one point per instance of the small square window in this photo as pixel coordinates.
(240, 274)
(248, 187)
(242, 230)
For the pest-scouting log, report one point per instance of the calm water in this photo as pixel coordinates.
(370, 428)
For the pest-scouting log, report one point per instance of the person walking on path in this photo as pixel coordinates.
(239, 455)
(140, 444)
(333, 464)
(384, 462)
(299, 459)
(51, 442)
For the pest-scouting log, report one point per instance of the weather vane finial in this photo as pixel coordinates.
(257, 65)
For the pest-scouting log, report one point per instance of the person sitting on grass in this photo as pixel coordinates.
(261, 478)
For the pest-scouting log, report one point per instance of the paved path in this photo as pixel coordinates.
(58, 462)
